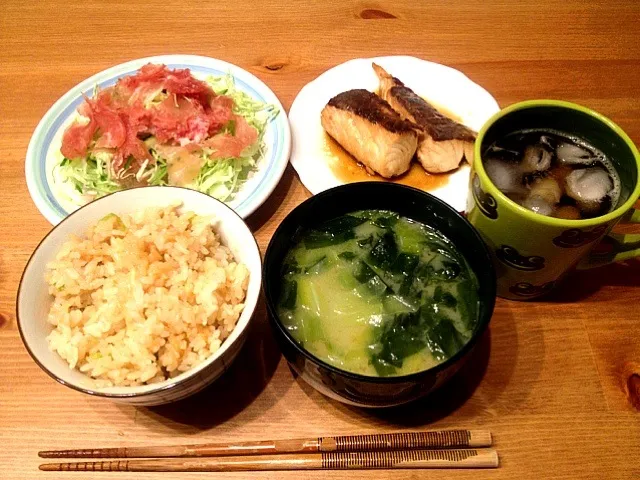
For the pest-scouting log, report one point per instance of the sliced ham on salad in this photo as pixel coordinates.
(162, 126)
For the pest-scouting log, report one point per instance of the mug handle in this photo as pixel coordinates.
(615, 247)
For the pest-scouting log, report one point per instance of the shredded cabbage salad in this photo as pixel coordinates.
(93, 177)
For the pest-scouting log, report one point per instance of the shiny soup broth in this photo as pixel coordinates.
(378, 294)
(552, 173)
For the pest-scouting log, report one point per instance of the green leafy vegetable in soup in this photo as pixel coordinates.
(378, 294)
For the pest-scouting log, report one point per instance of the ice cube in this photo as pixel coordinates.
(571, 154)
(548, 141)
(537, 204)
(537, 158)
(589, 187)
(506, 176)
(494, 151)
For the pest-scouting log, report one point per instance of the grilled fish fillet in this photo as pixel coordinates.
(444, 142)
(370, 130)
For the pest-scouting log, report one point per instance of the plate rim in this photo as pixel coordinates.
(264, 188)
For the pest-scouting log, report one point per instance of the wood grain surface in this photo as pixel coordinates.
(557, 382)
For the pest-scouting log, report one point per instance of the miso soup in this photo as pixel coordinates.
(553, 173)
(378, 294)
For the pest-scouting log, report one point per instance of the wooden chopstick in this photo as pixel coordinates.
(353, 443)
(470, 458)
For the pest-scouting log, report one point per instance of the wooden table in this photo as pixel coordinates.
(551, 379)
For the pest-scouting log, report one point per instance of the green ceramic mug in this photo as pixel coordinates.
(531, 251)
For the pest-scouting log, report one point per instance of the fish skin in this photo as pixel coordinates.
(444, 143)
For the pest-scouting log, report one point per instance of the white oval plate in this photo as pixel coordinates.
(443, 86)
(44, 148)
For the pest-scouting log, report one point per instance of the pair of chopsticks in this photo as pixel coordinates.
(433, 449)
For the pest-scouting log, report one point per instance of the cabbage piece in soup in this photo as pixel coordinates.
(378, 294)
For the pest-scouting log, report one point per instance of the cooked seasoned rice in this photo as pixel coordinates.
(144, 297)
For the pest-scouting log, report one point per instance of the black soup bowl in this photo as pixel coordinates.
(351, 388)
